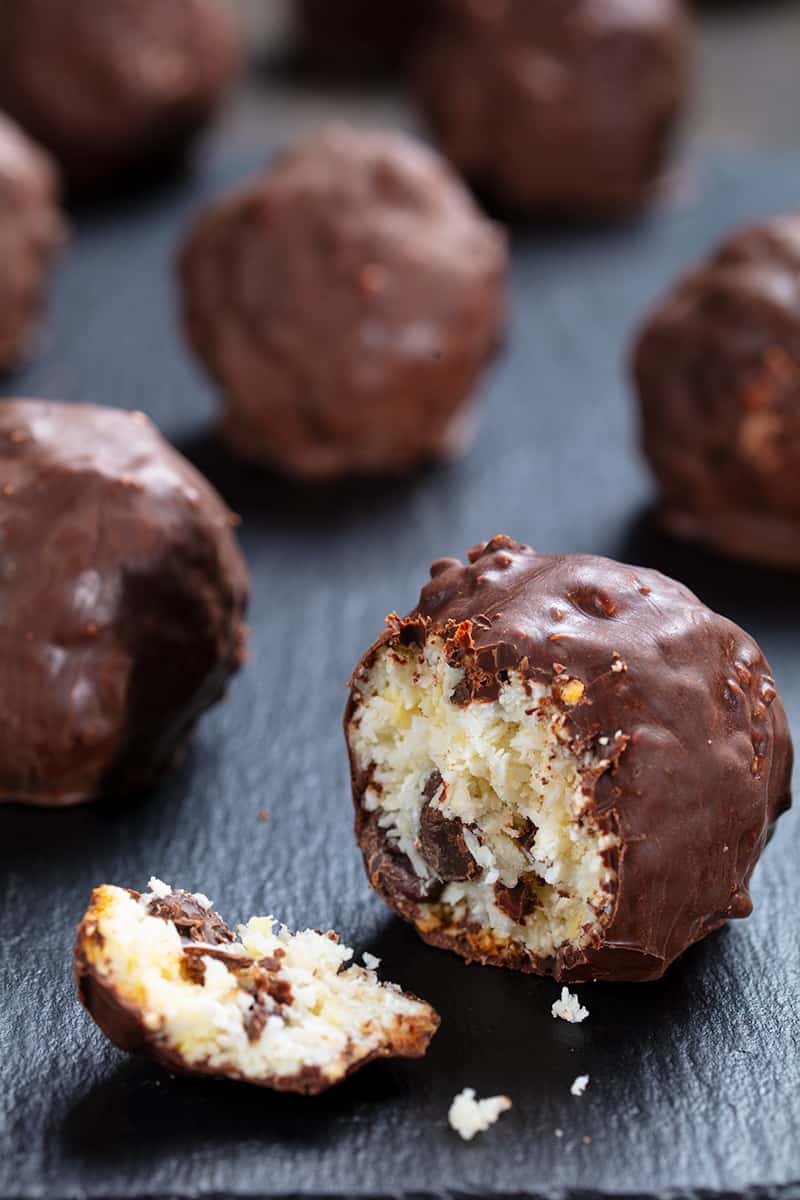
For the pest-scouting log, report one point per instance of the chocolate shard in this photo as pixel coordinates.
(519, 901)
(441, 839)
(193, 921)
(527, 836)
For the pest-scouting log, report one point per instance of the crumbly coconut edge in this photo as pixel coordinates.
(338, 1016)
(532, 772)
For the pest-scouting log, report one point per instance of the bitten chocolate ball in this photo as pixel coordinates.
(346, 304)
(32, 232)
(359, 35)
(564, 765)
(164, 975)
(117, 86)
(717, 367)
(122, 595)
(561, 107)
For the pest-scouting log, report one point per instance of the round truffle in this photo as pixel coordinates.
(31, 234)
(359, 35)
(115, 86)
(122, 595)
(346, 304)
(717, 367)
(561, 107)
(564, 765)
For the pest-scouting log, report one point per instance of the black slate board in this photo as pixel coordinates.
(694, 1080)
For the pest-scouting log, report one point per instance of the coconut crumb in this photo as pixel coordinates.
(579, 1085)
(469, 1116)
(569, 1008)
(158, 887)
(370, 961)
(202, 899)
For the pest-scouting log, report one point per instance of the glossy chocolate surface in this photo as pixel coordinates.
(122, 596)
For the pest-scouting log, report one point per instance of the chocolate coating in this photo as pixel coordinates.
(559, 106)
(717, 367)
(122, 594)
(32, 232)
(692, 783)
(116, 86)
(346, 304)
(359, 35)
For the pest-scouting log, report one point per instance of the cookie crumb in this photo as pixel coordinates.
(469, 1116)
(569, 1008)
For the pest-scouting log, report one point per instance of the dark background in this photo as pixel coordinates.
(694, 1080)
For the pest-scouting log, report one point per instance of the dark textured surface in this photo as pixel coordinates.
(694, 1080)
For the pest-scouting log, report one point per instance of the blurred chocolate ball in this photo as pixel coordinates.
(346, 303)
(113, 86)
(560, 107)
(32, 231)
(717, 366)
(346, 36)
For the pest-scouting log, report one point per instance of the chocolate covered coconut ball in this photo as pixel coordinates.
(122, 595)
(560, 106)
(564, 765)
(32, 232)
(162, 974)
(717, 367)
(346, 304)
(359, 35)
(115, 86)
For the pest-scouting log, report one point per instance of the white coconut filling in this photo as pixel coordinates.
(507, 772)
(336, 1017)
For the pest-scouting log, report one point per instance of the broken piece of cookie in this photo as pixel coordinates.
(163, 974)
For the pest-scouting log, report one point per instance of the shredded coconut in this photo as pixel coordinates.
(370, 961)
(569, 1008)
(506, 771)
(579, 1085)
(202, 900)
(158, 887)
(469, 1116)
